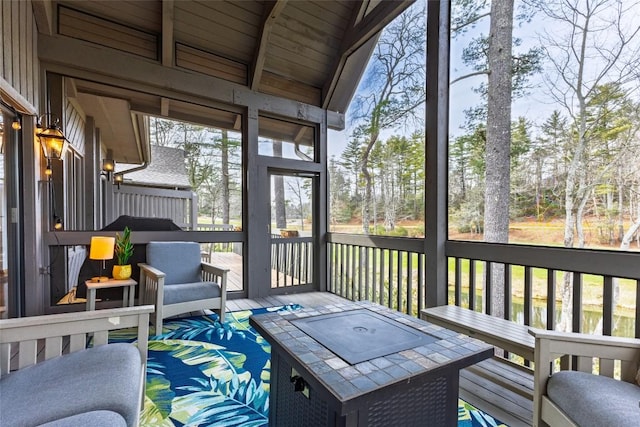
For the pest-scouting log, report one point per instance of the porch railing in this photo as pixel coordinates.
(391, 271)
(386, 270)
(291, 261)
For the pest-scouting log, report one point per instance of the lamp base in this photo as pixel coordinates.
(99, 279)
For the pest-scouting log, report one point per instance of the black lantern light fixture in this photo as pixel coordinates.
(108, 167)
(118, 179)
(53, 141)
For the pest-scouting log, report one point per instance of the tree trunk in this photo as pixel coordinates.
(226, 203)
(278, 183)
(497, 175)
(366, 203)
(620, 182)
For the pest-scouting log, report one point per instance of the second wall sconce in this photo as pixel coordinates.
(118, 179)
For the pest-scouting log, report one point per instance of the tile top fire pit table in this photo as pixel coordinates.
(362, 364)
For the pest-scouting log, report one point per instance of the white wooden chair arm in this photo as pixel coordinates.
(151, 272)
(216, 271)
(26, 331)
(575, 344)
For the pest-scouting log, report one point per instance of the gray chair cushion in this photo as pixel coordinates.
(101, 378)
(183, 292)
(93, 419)
(595, 401)
(179, 261)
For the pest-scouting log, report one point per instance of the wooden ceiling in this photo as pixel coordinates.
(313, 52)
(308, 51)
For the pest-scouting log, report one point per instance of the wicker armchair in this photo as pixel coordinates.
(176, 281)
(581, 392)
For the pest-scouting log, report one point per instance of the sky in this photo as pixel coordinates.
(536, 105)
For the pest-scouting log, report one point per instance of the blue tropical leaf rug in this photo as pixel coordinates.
(203, 373)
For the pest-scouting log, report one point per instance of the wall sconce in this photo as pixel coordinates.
(53, 141)
(108, 167)
(15, 124)
(57, 223)
(102, 250)
(118, 179)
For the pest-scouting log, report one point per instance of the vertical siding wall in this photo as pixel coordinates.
(18, 59)
(74, 126)
(177, 205)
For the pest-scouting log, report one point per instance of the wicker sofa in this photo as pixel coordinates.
(57, 381)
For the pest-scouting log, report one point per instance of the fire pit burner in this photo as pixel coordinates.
(360, 335)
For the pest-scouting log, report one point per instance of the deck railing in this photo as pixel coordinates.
(291, 261)
(386, 270)
(604, 285)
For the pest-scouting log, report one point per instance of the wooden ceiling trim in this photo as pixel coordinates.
(82, 26)
(271, 13)
(279, 86)
(145, 15)
(356, 36)
(167, 33)
(210, 64)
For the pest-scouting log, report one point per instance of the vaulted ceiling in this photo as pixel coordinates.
(313, 52)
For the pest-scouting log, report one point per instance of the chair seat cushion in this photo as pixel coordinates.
(101, 378)
(594, 400)
(183, 292)
(92, 418)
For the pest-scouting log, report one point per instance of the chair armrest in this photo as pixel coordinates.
(25, 332)
(151, 272)
(575, 344)
(218, 271)
(211, 271)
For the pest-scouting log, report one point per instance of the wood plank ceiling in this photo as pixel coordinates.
(308, 51)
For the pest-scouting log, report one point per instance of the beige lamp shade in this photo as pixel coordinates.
(102, 247)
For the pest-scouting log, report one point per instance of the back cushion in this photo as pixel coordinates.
(180, 261)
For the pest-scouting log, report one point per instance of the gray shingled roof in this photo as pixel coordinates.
(167, 169)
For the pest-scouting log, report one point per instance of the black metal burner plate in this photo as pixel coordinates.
(360, 335)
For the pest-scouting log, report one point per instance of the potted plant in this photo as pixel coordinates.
(123, 252)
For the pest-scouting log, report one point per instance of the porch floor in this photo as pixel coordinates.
(494, 399)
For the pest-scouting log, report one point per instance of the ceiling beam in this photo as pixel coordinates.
(43, 13)
(167, 33)
(362, 29)
(272, 10)
(84, 60)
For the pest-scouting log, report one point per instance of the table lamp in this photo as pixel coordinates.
(101, 249)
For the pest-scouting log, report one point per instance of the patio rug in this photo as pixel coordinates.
(202, 373)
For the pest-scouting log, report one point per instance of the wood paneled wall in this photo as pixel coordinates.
(18, 58)
(74, 126)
